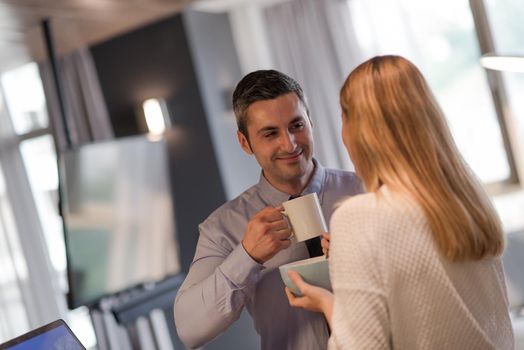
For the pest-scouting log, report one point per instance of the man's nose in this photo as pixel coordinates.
(287, 142)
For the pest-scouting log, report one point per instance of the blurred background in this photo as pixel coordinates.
(117, 137)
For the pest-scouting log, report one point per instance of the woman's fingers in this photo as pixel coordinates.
(291, 297)
(297, 280)
(296, 301)
(302, 286)
(312, 299)
(325, 244)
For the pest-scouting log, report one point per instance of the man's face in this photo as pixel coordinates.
(280, 137)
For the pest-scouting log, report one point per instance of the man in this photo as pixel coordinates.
(244, 241)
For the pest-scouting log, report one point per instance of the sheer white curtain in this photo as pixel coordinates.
(13, 317)
(312, 41)
(29, 292)
(88, 119)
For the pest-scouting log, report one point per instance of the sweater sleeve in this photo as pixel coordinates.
(360, 312)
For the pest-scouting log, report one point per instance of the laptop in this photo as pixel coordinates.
(53, 336)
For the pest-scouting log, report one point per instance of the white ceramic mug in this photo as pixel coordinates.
(305, 217)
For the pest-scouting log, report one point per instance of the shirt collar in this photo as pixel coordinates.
(274, 197)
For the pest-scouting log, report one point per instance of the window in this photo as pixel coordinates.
(507, 30)
(439, 37)
(505, 19)
(41, 164)
(25, 103)
(13, 318)
(25, 99)
(28, 127)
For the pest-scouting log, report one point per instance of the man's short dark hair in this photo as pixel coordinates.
(262, 85)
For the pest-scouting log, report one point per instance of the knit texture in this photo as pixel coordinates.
(393, 290)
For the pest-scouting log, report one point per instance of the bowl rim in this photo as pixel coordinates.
(305, 262)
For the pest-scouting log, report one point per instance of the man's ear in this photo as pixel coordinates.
(309, 118)
(244, 143)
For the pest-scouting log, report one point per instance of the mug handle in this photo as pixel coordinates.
(286, 216)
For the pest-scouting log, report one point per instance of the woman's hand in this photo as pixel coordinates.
(314, 298)
(325, 244)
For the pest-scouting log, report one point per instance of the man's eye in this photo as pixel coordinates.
(269, 134)
(297, 126)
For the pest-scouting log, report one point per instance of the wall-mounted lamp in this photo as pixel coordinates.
(503, 63)
(156, 115)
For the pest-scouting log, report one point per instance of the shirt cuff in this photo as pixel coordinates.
(240, 268)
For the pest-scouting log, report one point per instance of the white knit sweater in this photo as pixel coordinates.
(394, 291)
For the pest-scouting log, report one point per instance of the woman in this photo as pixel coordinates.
(414, 262)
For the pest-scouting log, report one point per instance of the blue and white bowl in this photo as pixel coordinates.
(314, 271)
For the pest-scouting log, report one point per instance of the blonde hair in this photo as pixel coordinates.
(398, 136)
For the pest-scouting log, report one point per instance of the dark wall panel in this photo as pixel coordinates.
(155, 61)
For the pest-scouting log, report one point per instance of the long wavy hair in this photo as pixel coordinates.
(397, 135)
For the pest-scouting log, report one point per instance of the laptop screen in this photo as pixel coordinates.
(53, 336)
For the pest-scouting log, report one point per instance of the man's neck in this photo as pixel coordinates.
(295, 187)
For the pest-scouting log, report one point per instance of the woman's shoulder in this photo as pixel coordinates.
(381, 208)
(381, 200)
(355, 211)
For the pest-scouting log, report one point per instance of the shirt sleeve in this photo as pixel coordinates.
(217, 287)
(360, 313)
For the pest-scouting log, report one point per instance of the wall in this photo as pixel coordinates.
(154, 61)
(218, 71)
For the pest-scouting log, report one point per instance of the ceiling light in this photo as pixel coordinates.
(503, 63)
(156, 115)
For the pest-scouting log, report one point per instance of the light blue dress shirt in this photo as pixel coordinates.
(223, 278)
